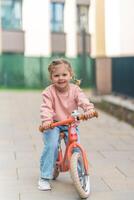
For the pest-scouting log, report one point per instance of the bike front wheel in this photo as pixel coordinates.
(80, 178)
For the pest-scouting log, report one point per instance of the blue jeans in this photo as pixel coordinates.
(49, 154)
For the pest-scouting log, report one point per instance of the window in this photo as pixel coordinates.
(57, 17)
(82, 17)
(11, 14)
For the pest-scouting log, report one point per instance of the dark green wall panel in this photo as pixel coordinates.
(17, 70)
(12, 70)
(123, 75)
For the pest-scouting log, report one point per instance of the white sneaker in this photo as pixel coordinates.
(43, 184)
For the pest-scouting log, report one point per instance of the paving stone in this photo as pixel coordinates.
(112, 195)
(109, 144)
(9, 196)
(122, 184)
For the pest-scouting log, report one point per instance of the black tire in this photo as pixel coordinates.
(80, 179)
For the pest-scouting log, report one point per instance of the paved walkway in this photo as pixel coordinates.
(109, 144)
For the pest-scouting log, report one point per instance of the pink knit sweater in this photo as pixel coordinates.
(58, 106)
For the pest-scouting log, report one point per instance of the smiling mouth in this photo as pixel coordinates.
(62, 82)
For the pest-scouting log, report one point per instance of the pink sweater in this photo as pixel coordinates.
(58, 106)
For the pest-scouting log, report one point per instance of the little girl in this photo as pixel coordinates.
(60, 99)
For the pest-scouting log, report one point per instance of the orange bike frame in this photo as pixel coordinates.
(64, 161)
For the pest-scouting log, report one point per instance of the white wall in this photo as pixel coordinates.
(36, 19)
(119, 29)
(0, 31)
(112, 27)
(127, 27)
(92, 27)
(70, 28)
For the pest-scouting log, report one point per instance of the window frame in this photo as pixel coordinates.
(54, 22)
(12, 23)
(79, 16)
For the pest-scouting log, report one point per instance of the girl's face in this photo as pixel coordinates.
(61, 77)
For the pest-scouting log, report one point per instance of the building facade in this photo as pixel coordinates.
(34, 32)
(112, 37)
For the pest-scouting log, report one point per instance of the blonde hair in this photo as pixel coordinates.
(54, 63)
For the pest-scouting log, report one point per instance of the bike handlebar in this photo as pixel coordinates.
(67, 121)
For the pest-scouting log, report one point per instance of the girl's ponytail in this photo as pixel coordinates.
(76, 81)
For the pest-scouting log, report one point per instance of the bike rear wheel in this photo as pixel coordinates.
(80, 178)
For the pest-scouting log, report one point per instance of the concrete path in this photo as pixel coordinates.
(109, 144)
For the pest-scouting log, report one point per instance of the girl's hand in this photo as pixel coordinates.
(89, 114)
(46, 125)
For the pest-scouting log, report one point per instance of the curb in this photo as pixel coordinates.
(116, 106)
